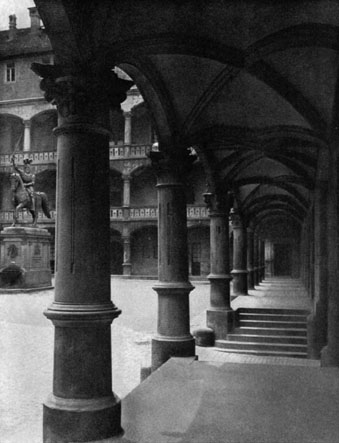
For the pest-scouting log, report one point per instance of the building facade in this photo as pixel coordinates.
(27, 123)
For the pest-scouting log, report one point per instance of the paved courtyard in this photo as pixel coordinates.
(26, 349)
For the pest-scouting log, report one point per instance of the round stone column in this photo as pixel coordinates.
(128, 128)
(256, 259)
(127, 265)
(27, 135)
(262, 260)
(173, 288)
(126, 191)
(239, 271)
(220, 315)
(250, 258)
(317, 321)
(82, 406)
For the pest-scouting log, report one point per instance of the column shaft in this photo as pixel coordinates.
(250, 259)
(27, 135)
(173, 288)
(128, 128)
(127, 265)
(239, 272)
(220, 316)
(126, 191)
(82, 406)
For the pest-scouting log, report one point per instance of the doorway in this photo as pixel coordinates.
(282, 260)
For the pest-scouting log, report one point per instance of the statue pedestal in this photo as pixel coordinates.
(25, 258)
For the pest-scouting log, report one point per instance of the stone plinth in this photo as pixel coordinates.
(26, 250)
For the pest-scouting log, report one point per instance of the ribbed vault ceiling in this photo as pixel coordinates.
(250, 84)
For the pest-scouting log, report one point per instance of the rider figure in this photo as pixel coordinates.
(27, 177)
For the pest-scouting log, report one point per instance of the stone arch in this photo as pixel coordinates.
(143, 191)
(116, 252)
(45, 181)
(115, 187)
(144, 251)
(42, 125)
(142, 132)
(199, 250)
(11, 134)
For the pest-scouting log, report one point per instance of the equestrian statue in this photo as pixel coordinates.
(24, 196)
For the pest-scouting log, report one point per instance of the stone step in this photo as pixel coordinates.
(263, 353)
(267, 338)
(273, 324)
(274, 311)
(271, 331)
(254, 346)
(271, 316)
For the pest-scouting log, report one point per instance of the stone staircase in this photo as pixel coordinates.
(271, 332)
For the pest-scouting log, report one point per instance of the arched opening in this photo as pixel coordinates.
(11, 134)
(144, 251)
(117, 124)
(45, 181)
(141, 125)
(143, 190)
(115, 188)
(117, 252)
(42, 137)
(199, 250)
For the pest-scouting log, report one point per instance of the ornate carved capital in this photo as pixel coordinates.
(217, 203)
(81, 96)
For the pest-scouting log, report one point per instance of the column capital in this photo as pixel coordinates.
(27, 123)
(217, 203)
(171, 166)
(81, 96)
(236, 219)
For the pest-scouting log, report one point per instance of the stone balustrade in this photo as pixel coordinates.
(116, 213)
(116, 152)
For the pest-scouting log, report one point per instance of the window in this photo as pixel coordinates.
(10, 73)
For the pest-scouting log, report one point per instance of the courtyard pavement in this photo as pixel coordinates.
(26, 350)
(26, 344)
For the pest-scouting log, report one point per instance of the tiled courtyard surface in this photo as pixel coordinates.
(26, 345)
(26, 350)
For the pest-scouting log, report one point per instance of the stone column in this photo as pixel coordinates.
(128, 128)
(239, 272)
(256, 258)
(269, 258)
(127, 265)
(262, 260)
(82, 406)
(220, 315)
(330, 353)
(250, 258)
(317, 321)
(126, 190)
(173, 288)
(27, 135)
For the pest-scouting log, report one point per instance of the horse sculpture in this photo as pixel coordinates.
(22, 200)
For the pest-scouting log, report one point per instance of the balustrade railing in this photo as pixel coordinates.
(128, 151)
(116, 213)
(46, 157)
(37, 157)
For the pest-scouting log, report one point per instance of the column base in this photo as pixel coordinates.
(127, 269)
(165, 348)
(239, 282)
(329, 357)
(66, 420)
(222, 321)
(316, 334)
